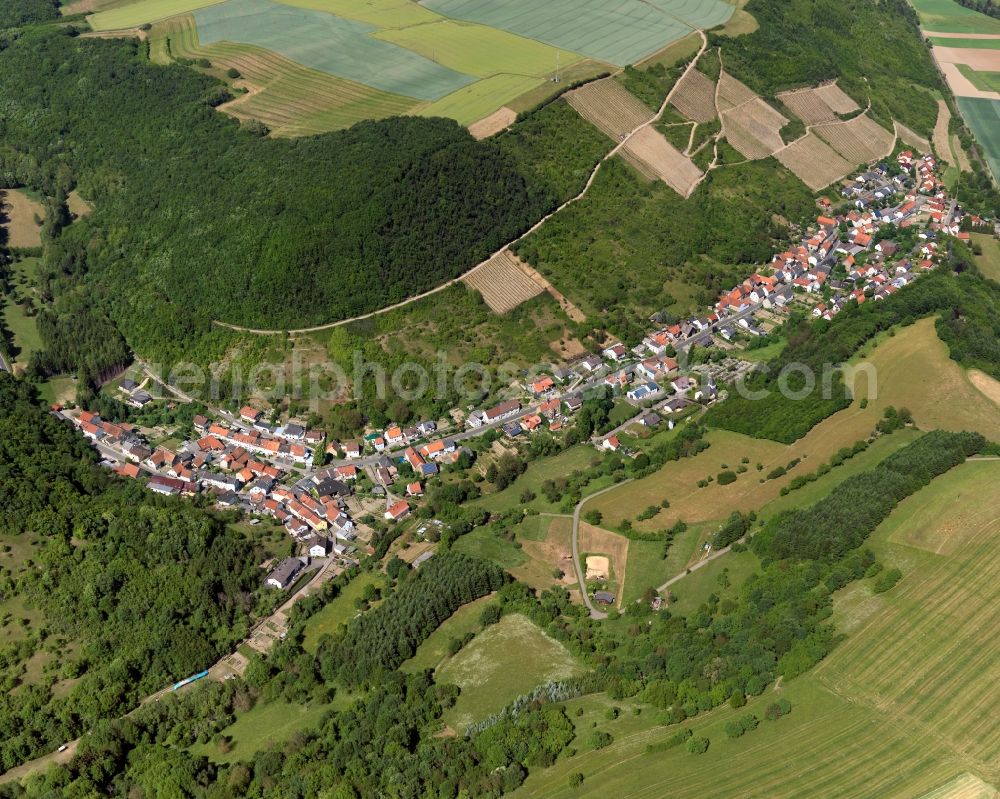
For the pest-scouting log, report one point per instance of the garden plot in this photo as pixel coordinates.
(858, 140)
(754, 128)
(610, 107)
(694, 97)
(657, 159)
(814, 162)
(503, 281)
(329, 44)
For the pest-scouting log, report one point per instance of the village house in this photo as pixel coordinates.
(397, 511)
(286, 571)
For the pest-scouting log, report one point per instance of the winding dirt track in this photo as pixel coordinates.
(590, 181)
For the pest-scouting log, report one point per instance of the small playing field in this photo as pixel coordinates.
(621, 32)
(504, 661)
(983, 117)
(948, 16)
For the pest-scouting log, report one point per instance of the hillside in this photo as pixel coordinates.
(197, 218)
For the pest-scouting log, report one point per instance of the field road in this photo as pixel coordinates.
(590, 181)
(574, 540)
(676, 578)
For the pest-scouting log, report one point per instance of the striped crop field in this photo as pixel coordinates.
(504, 281)
(287, 97)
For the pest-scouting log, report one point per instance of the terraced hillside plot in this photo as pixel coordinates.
(754, 128)
(912, 138)
(616, 31)
(610, 107)
(478, 50)
(983, 117)
(694, 97)
(837, 98)
(504, 282)
(656, 158)
(330, 44)
(858, 140)
(814, 162)
(290, 99)
(732, 92)
(808, 105)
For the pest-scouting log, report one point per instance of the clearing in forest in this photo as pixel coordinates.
(858, 140)
(504, 661)
(657, 159)
(694, 97)
(20, 211)
(504, 282)
(610, 107)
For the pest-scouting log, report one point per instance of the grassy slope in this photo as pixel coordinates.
(947, 16)
(989, 261)
(338, 611)
(504, 661)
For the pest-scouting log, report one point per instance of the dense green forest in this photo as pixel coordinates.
(132, 591)
(968, 322)
(26, 12)
(873, 47)
(197, 218)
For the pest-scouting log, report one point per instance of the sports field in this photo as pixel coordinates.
(983, 117)
(619, 32)
(948, 16)
(328, 43)
(504, 661)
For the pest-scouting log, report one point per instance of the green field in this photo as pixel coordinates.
(977, 44)
(434, 650)
(479, 50)
(621, 33)
(328, 43)
(948, 16)
(989, 261)
(983, 117)
(480, 98)
(381, 13)
(984, 81)
(141, 12)
(339, 610)
(504, 661)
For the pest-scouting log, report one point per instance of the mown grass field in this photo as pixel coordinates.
(339, 610)
(576, 458)
(504, 661)
(976, 44)
(947, 16)
(479, 99)
(984, 81)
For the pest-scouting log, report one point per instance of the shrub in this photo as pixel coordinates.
(887, 580)
(697, 745)
(726, 477)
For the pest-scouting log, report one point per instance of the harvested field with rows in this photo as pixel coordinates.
(858, 140)
(732, 93)
(657, 159)
(814, 162)
(504, 282)
(754, 128)
(500, 119)
(694, 97)
(610, 107)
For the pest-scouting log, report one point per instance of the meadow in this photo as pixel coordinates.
(132, 15)
(989, 261)
(338, 610)
(983, 117)
(434, 650)
(506, 660)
